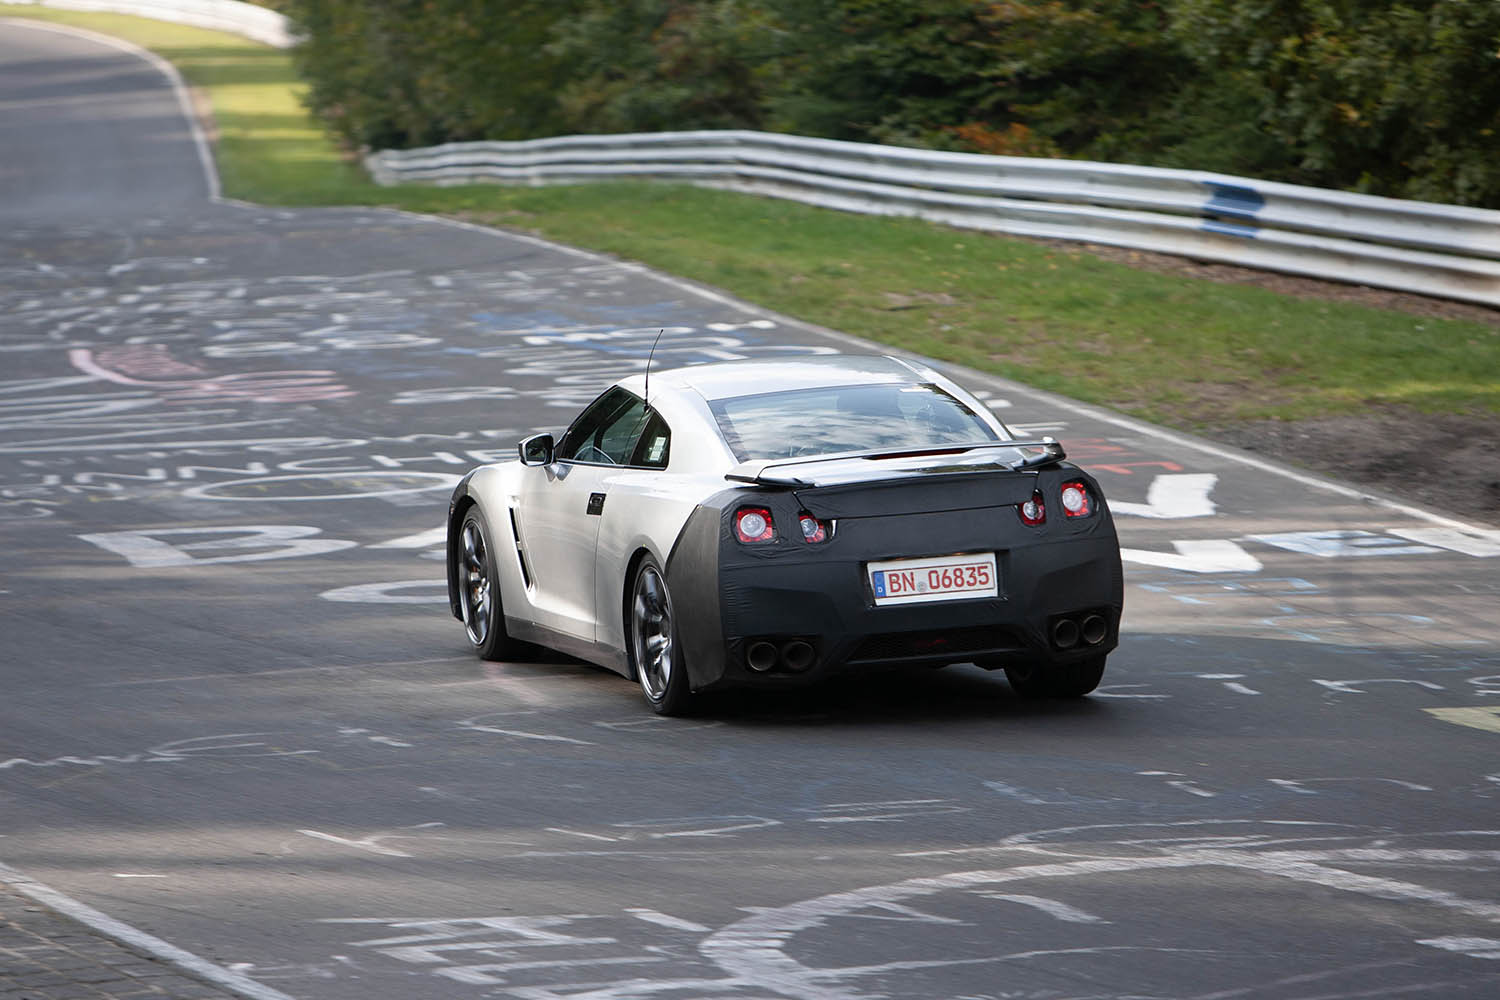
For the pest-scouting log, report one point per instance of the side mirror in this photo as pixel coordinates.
(537, 450)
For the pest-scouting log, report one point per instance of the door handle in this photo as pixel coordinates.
(596, 504)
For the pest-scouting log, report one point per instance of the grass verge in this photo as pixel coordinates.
(1173, 350)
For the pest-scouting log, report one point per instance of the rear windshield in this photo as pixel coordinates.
(826, 421)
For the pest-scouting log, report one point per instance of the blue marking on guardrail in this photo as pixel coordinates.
(1234, 200)
(1230, 228)
(1231, 209)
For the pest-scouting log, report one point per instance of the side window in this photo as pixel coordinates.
(583, 435)
(655, 446)
(617, 439)
(606, 432)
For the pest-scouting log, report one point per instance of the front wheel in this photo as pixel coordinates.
(1061, 680)
(479, 591)
(655, 653)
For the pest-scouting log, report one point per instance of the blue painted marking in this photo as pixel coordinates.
(1233, 200)
(1231, 209)
(878, 578)
(1230, 228)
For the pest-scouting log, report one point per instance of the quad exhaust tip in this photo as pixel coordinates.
(790, 655)
(761, 656)
(797, 655)
(1091, 630)
(1065, 633)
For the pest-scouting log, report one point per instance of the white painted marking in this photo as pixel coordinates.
(1296, 786)
(135, 875)
(486, 975)
(363, 844)
(754, 950)
(1056, 909)
(1231, 681)
(656, 722)
(521, 734)
(717, 826)
(390, 593)
(1020, 793)
(1291, 786)
(421, 540)
(580, 833)
(1470, 544)
(882, 812)
(666, 920)
(1474, 947)
(1486, 717)
(1113, 691)
(1347, 687)
(907, 914)
(1342, 543)
(1216, 555)
(147, 550)
(1173, 496)
(136, 939)
(1186, 786)
(360, 486)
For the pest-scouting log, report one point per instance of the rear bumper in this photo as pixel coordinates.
(821, 596)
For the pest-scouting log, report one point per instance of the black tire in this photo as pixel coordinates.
(479, 590)
(1060, 680)
(651, 641)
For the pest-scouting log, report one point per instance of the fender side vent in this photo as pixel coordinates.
(515, 532)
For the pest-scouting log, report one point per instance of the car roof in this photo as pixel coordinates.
(725, 379)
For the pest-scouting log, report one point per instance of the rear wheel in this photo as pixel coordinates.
(479, 591)
(1061, 680)
(655, 653)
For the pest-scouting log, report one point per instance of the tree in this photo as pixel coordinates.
(397, 73)
(657, 65)
(1399, 99)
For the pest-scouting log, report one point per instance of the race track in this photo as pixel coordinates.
(237, 715)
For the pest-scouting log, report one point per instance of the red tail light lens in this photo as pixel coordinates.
(1076, 500)
(1033, 511)
(813, 530)
(753, 524)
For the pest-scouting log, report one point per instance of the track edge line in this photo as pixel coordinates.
(137, 940)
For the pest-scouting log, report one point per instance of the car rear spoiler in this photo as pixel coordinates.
(799, 471)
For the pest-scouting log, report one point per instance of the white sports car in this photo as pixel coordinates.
(771, 523)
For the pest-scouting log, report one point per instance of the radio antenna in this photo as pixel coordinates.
(648, 363)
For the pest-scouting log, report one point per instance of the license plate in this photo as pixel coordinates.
(941, 578)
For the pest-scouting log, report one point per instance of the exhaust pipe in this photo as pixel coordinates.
(1065, 633)
(797, 655)
(760, 657)
(1095, 628)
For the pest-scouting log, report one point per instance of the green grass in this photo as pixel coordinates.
(1175, 350)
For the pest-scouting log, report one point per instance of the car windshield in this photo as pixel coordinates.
(827, 421)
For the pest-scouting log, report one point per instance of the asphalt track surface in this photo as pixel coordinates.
(235, 714)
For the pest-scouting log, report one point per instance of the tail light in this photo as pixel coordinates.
(813, 530)
(1033, 511)
(1076, 500)
(753, 524)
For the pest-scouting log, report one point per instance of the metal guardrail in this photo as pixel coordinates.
(259, 24)
(1440, 250)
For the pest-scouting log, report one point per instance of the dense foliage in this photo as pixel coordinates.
(1395, 97)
